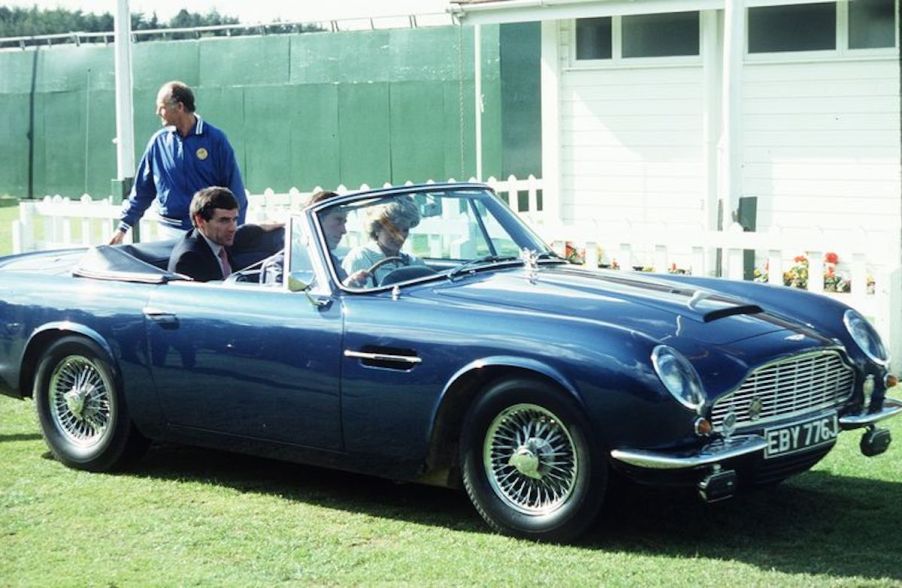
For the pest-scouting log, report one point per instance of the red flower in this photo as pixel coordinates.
(831, 257)
(800, 259)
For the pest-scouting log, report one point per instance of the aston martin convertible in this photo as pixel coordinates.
(425, 333)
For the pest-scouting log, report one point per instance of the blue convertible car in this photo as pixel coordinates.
(425, 333)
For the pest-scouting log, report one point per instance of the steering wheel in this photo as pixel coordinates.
(372, 269)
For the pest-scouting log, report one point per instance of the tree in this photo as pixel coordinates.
(24, 22)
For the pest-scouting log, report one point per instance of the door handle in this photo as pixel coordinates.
(164, 319)
(384, 360)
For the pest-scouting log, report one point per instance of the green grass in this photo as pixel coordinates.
(193, 517)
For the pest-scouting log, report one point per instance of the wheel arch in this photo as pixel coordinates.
(45, 336)
(459, 394)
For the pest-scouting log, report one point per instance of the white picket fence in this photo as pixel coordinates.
(56, 222)
(876, 283)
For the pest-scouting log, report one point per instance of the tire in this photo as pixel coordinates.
(81, 408)
(528, 464)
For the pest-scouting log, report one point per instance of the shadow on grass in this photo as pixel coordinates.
(20, 437)
(817, 523)
(329, 488)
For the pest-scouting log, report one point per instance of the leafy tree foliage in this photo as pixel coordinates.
(23, 22)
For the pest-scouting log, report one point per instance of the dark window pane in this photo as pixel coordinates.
(801, 27)
(871, 24)
(660, 35)
(593, 38)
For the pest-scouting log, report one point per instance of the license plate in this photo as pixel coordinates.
(801, 436)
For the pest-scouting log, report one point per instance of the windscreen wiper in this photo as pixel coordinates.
(551, 256)
(473, 263)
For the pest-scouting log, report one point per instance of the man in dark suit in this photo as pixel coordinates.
(203, 253)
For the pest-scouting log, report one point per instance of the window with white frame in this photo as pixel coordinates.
(672, 34)
(594, 38)
(872, 24)
(792, 27)
(823, 26)
(660, 35)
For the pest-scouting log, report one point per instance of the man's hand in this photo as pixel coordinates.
(117, 237)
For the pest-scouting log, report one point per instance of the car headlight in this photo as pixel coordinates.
(865, 336)
(678, 376)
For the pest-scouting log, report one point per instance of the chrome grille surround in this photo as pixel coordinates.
(795, 385)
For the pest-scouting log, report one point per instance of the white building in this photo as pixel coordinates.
(655, 113)
(654, 110)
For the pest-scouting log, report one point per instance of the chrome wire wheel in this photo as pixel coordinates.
(530, 459)
(80, 401)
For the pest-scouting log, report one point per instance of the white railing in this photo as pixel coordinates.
(876, 281)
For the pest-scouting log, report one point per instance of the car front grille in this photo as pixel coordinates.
(795, 385)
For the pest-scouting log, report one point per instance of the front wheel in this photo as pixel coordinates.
(81, 409)
(528, 464)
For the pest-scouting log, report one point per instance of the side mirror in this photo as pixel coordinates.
(428, 206)
(296, 283)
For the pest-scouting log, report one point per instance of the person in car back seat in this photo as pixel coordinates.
(202, 254)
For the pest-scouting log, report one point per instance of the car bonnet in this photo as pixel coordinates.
(647, 304)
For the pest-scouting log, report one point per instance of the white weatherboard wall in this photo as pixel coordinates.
(820, 143)
(632, 142)
(632, 145)
(822, 146)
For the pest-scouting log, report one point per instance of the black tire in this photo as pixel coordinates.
(81, 408)
(528, 463)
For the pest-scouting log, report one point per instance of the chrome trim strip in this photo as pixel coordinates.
(383, 357)
(891, 408)
(712, 453)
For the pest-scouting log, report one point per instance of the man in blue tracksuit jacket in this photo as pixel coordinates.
(185, 156)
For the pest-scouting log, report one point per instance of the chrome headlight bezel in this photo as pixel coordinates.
(865, 337)
(678, 376)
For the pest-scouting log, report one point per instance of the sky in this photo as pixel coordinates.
(254, 11)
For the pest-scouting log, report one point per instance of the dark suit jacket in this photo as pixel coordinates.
(193, 257)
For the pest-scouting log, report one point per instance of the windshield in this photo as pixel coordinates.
(393, 238)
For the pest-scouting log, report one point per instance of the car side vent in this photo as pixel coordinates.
(732, 310)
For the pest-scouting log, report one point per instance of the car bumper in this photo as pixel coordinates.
(891, 407)
(722, 450)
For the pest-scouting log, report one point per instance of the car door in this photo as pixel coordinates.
(398, 356)
(247, 360)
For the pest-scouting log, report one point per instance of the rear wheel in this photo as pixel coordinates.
(81, 409)
(528, 464)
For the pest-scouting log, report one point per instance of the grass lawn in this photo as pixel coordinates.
(192, 517)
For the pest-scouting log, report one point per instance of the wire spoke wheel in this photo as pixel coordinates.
(80, 400)
(81, 408)
(528, 463)
(530, 459)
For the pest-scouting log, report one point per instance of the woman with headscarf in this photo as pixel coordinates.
(388, 227)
